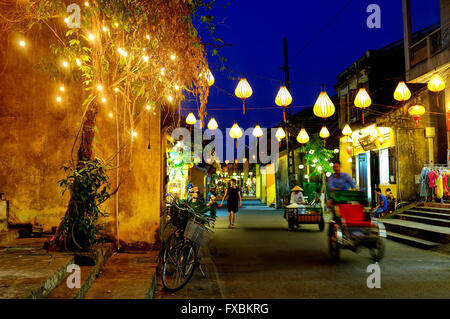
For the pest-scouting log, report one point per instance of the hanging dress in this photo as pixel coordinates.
(445, 182)
(432, 176)
(423, 182)
(439, 187)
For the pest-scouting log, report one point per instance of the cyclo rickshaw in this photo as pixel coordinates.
(304, 214)
(355, 228)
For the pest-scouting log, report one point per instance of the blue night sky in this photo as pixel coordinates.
(256, 29)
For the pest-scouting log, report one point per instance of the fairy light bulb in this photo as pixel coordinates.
(61, 88)
(58, 99)
(177, 87)
(146, 58)
(116, 90)
(91, 37)
(148, 107)
(100, 87)
(22, 43)
(105, 29)
(172, 57)
(122, 52)
(86, 4)
(170, 98)
(78, 61)
(65, 64)
(110, 115)
(147, 37)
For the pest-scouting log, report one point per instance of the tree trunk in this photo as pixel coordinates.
(66, 241)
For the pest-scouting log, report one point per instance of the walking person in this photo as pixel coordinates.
(233, 198)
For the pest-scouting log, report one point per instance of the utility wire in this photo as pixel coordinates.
(330, 22)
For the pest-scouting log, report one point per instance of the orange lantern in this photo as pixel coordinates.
(349, 150)
(416, 112)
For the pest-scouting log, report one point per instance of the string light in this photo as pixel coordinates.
(122, 52)
(177, 87)
(103, 100)
(78, 62)
(170, 98)
(66, 20)
(105, 29)
(172, 57)
(91, 37)
(134, 133)
(61, 88)
(22, 43)
(65, 64)
(58, 99)
(110, 115)
(163, 71)
(100, 87)
(148, 37)
(146, 58)
(86, 4)
(148, 107)
(116, 90)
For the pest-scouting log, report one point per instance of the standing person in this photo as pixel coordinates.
(233, 198)
(382, 204)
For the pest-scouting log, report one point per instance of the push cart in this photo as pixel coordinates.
(304, 215)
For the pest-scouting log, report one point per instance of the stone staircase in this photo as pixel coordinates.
(423, 225)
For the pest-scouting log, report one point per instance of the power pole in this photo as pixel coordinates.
(290, 151)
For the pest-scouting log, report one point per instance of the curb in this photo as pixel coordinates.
(51, 283)
(102, 256)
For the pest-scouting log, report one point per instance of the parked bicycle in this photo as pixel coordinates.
(180, 253)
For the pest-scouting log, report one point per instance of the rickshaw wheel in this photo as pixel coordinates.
(321, 224)
(377, 252)
(334, 247)
(291, 224)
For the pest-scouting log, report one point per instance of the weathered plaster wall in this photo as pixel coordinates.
(36, 137)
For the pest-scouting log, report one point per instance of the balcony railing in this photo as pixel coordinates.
(426, 47)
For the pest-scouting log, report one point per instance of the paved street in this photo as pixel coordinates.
(261, 258)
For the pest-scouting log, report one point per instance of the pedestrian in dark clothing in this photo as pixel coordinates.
(233, 198)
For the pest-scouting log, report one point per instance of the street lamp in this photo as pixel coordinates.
(243, 91)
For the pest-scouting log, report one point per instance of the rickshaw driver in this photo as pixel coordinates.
(338, 181)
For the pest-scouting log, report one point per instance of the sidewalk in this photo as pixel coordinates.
(28, 271)
(126, 276)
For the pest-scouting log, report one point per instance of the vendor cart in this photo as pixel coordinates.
(304, 215)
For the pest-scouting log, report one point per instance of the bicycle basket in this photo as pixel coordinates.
(180, 218)
(198, 233)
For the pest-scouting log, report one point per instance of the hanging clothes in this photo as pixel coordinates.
(445, 182)
(439, 187)
(424, 182)
(432, 176)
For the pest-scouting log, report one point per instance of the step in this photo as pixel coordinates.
(433, 209)
(8, 236)
(427, 214)
(424, 220)
(126, 276)
(424, 231)
(89, 271)
(411, 241)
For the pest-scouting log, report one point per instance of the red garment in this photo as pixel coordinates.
(444, 180)
(432, 176)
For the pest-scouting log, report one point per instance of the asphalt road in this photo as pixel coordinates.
(261, 258)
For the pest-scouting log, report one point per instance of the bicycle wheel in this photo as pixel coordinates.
(179, 266)
(169, 244)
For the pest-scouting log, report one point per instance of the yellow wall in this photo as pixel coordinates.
(36, 140)
(271, 185)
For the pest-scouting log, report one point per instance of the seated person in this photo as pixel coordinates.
(297, 196)
(382, 204)
(391, 200)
